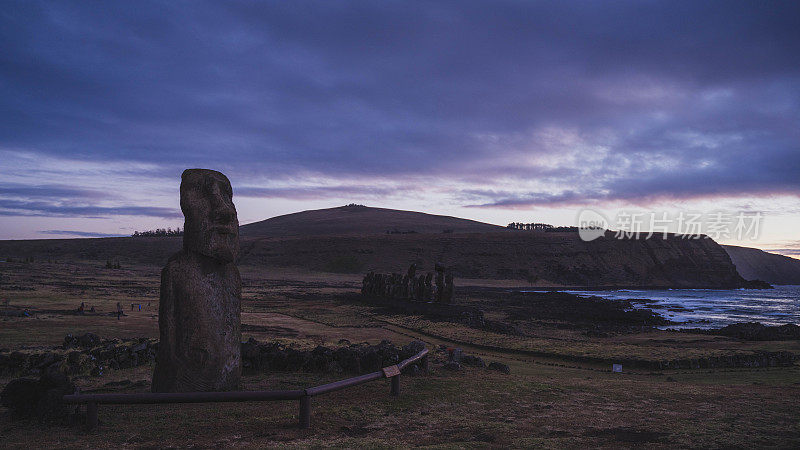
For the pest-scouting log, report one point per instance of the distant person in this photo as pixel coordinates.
(119, 314)
(131, 306)
(91, 309)
(140, 306)
(81, 308)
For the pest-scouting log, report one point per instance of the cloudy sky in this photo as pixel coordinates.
(496, 111)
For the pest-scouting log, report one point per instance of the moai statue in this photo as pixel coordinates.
(201, 292)
(371, 284)
(412, 271)
(381, 285)
(365, 283)
(397, 282)
(410, 282)
(391, 286)
(428, 287)
(439, 282)
(399, 286)
(449, 288)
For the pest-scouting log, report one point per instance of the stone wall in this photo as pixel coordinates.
(82, 355)
(90, 355)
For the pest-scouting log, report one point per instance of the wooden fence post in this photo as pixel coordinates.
(91, 416)
(305, 411)
(395, 385)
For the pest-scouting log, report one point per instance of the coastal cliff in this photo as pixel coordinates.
(755, 264)
(541, 259)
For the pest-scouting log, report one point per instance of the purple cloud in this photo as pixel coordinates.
(82, 234)
(316, 192)
(47, 209)
(506, 104)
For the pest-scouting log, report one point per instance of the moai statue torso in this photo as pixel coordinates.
(410, 282)
(201, 291)
(439, 282)
(428, 296)
(412, 271)
(449, 288)
(365, 284)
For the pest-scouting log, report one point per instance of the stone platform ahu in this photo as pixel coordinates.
(201, 292)
(422, 288)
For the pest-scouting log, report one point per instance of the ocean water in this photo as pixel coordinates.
(714, 308)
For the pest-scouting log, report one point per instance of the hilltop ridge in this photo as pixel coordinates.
(361, 220)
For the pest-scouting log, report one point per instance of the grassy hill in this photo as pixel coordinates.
(361, 220)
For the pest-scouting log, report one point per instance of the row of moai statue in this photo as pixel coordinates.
(437, 288)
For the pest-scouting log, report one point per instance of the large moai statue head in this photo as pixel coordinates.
(211, 227)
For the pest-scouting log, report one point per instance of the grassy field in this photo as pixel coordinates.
(546, 401)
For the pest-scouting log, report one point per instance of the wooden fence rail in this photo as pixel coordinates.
(304, 395)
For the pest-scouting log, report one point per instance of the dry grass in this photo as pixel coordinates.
(541, 405)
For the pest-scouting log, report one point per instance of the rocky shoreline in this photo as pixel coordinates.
(753, 331)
